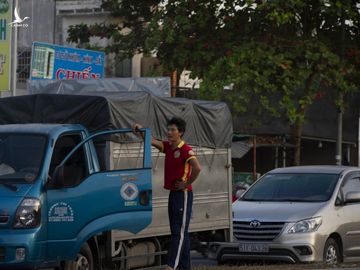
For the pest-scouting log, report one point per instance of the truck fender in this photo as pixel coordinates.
(120, 221)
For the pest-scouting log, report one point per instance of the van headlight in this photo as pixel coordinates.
(306, 225)
(28, 214)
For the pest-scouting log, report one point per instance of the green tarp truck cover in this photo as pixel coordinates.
(209, 124)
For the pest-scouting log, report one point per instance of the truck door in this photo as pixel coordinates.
(95, 195)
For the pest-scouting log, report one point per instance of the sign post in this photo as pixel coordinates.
(5, 44)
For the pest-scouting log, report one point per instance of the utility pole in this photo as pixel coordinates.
(14, 54)
(358, 146)
(54, 28)
(338, 156)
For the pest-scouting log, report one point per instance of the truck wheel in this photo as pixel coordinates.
(332, 254)
(83, 260)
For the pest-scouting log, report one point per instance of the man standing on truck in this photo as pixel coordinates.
(181, 170)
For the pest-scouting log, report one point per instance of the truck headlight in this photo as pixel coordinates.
(307, 225)
(28, 214)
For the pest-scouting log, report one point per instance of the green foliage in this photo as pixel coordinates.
(4, 6)
(297, 52)
(189, 34)
(282, 53)
(283, 80)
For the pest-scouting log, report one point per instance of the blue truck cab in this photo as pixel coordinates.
(57, 196)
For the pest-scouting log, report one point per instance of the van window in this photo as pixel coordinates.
(293, 187)
(352, 185)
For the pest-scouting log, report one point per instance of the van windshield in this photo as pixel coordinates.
(21, 157)
(295, 187)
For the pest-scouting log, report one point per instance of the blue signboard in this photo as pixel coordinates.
(55, 62)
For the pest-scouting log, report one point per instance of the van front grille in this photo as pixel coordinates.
(256, 230)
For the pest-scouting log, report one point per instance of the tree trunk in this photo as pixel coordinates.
(297, 131)
(174, 82)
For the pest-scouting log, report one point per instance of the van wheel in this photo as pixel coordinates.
(332, 253)
(83, 260)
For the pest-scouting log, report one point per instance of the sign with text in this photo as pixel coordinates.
(5, 44)
(55, 62)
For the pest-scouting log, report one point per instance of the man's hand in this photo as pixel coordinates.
(195, 170)
(154, 142)
(181, 185)
(136, 128)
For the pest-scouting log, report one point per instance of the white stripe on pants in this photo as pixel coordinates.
(182, 230)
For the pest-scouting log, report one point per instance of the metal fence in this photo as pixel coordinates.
(23, 65)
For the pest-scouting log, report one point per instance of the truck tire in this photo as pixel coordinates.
(83, 261)
(332, 254)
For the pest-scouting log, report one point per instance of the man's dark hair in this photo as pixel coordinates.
(179, 123)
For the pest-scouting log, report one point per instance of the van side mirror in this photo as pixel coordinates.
(339, 201)
(352, 197)
(57, 179)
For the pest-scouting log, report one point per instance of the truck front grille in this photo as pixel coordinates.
(4, 219)
(2, 254)
(256, 230)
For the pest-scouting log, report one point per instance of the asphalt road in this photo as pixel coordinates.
(198, 261)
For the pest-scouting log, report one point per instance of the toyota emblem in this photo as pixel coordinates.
(255, 224)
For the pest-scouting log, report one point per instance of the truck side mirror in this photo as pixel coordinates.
(57, 179)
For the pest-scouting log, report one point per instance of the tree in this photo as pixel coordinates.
(290, 80)
(193, 34)
(297, 52)
(184, 34)
(189, 34)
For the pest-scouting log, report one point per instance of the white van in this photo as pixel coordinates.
(297, 214)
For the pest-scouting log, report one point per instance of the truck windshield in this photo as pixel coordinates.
(296, 187)
(21, 157)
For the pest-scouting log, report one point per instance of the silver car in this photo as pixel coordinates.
(297, 214)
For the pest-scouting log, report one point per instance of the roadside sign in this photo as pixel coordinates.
(56, 62)
(5, 44)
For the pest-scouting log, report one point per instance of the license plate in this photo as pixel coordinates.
(252, 247)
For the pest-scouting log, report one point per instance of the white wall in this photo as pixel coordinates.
(41, 22)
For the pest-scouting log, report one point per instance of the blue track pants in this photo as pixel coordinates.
(180, 205)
